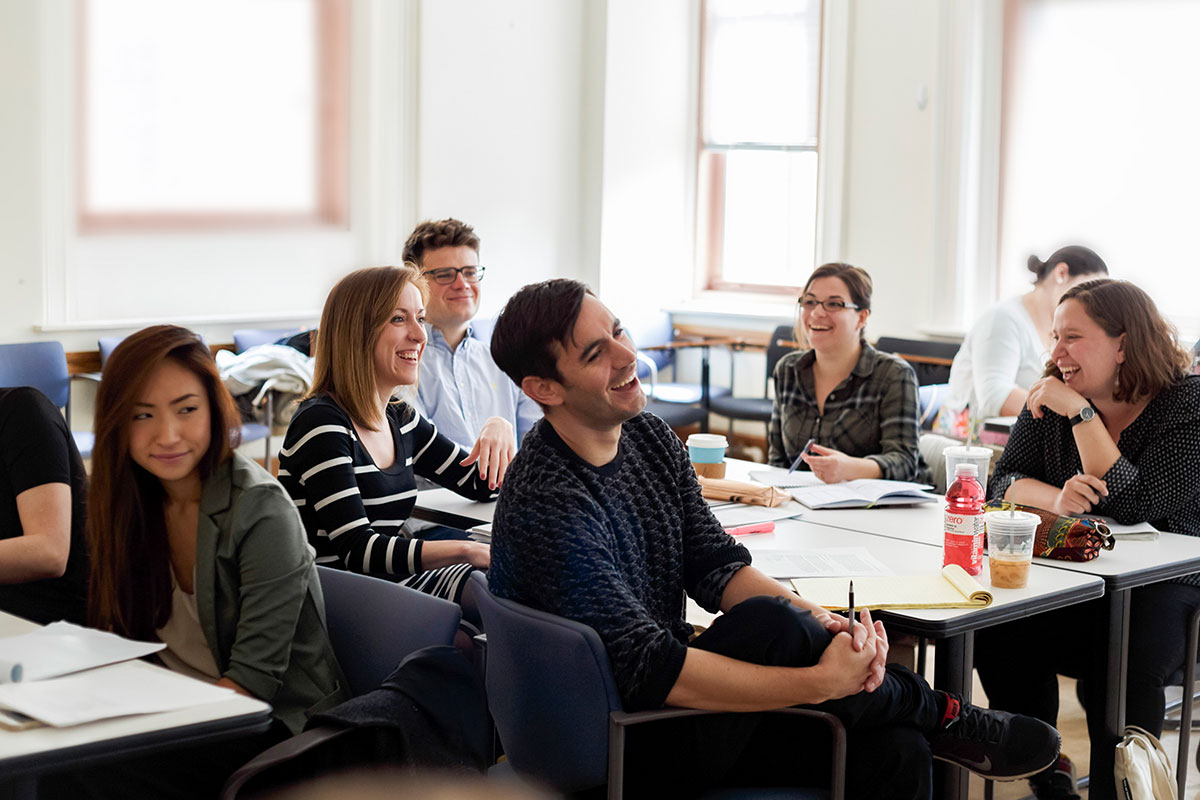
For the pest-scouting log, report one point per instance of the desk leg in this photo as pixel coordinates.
(1113, 640)
(953, 660)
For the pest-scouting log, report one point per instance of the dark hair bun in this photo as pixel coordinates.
(1036, 266)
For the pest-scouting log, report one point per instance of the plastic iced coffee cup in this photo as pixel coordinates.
(1010, 536)
(707, 452)
(981, 457)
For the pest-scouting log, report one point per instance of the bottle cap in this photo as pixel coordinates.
(966, 469)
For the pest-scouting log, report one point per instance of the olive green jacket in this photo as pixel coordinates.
(258, 596)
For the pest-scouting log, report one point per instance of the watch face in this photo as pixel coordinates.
(1086, 413)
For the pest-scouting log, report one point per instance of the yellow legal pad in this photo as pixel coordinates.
(952, 588)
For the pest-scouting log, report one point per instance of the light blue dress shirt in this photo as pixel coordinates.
(460, 389)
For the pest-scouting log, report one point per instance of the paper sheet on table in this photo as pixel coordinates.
(778, 476)
(113, 691)
(1139, 531)
(951, 588)
(61, 648)
(738, 514)
(826, 561)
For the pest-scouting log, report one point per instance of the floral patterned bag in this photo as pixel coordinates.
(1063, 538)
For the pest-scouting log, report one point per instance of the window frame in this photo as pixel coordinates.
(331, 120)
(710, 176)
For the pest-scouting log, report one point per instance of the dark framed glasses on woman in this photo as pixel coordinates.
(832, 306)
(448, 275)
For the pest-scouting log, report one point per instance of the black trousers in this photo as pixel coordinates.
(888, 752)
(1018, 662)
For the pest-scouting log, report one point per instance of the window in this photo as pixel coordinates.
(758, 157)
(212, 112)
(1100, 142)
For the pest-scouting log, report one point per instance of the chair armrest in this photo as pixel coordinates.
(618, 721)
(650, 365)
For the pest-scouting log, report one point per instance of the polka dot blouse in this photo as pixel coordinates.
(1156, 479)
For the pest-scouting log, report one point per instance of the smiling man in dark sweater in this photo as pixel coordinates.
(601, 520)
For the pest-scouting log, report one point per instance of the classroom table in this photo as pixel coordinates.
(447, 508)
(26, 754)
(952, 628)
(1128, 565)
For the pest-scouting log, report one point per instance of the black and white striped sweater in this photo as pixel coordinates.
(353, 510)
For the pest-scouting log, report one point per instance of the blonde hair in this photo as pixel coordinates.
(357, 308)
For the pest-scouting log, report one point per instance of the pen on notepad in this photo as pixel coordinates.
(852, 609)
(803, 453)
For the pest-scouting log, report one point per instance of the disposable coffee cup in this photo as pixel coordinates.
(1010, 538)
(981, 457)
(707, 452)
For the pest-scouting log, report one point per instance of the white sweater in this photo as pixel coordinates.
(1001, 352)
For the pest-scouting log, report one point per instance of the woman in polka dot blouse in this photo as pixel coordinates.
(1113, 428)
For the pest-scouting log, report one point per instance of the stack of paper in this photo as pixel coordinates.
(96, 686)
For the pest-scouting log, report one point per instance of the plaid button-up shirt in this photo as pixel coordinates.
(872, 414)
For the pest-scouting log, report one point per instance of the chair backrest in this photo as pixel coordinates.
(42, 365)
(373, 624)
(550, 690)
(930, 359)
(245, 338)
(106, 345)
(653, 330)
(776, 350)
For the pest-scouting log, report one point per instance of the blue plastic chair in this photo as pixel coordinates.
(43, 365)
(757, 409)
(374, 624)
(245, 338)
(680, 404)
(250, 431)
(556, 707)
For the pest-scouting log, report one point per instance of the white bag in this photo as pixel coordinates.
(1143, 768)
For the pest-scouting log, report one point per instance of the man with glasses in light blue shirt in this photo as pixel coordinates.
(461, 389)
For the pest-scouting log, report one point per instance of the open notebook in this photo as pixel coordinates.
(951, 588)
(863, 493)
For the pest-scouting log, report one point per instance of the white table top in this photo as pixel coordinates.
(42, 749)
(447, 508)
(1128, 564)
(1048, 588)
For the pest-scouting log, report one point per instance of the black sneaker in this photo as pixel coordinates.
(1055, 783)
(994, 744)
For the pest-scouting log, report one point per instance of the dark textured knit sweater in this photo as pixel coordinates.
(614, 547)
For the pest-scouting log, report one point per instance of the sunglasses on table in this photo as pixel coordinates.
(448, 275)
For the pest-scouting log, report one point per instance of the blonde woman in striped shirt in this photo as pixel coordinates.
(352, 449)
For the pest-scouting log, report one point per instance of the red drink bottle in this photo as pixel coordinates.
(964, 521)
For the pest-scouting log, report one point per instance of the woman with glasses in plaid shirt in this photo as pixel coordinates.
(853, 407)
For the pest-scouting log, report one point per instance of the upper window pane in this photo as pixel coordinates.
(201, 108)
(1101, 142)
(762, 72)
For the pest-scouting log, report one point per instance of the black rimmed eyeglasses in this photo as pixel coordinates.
(448, 275)
(832, 306)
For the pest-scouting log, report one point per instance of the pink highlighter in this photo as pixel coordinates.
(758, 527)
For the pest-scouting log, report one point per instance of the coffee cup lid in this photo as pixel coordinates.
(707, 440)
(1011, 521)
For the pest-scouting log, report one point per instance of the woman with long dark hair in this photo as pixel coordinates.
(199, 547)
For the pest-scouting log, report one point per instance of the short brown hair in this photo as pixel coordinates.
(1154, 358)
(130, 586)
(430, 235)
(357, 308)
(857, 281)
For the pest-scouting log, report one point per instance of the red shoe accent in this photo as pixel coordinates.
(951, 712)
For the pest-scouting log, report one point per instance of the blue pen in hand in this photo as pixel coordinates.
(803, 453)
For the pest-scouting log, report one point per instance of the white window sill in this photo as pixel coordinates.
(779, 309)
